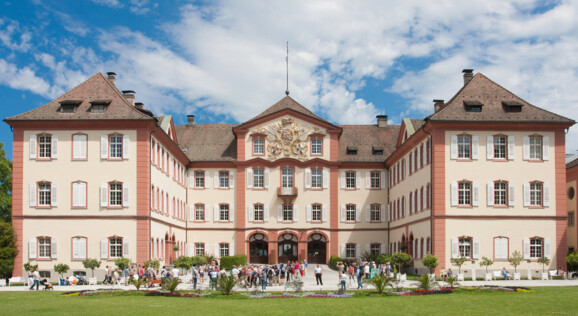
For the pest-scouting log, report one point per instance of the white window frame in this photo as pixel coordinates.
(316, 146)
(350, 179)
(258, 178)
(350, 250)
(316, 178)
(199, 212)
(258, 146)
(464, 193)
(115, 247)
(200, 177)
(224, 212)
(199, 249)
(316, 213)
(115, 194)
(258, 212)
(224, 179)
(465, 247)
(288, 215)
(44, 247)
(224, 250)
(464, 149)
(115, 144)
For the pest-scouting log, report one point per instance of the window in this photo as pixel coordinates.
(79, 146)
(350, 251)
(287, 177)
(287, 212)
(350, 213)
(536, 194)
(535, 147)
(115, 247)
(350, 180)
(44, 194)
(224, 213)
(258, 178)
(375, 249)
(79, 194)
(316, 146)
(199, 179)
(199, 212)
(258, 212)
(464, 147)
(464, 193)
(570, 219)
(44, 274)
(536, 247)
(501, 193)
(67, 108)
(115, 142)
(199, 249)
(501, 248)
(316, 178)
(115, 194)
(258, 146)
(351, 152)
(44, 247)
(44, 146)
(465, 247)
(376, 180)
(224, 250)
(98, 108)
(79, 248)
(500, 145)
(316, 213)
(223, 179)
(375, 212)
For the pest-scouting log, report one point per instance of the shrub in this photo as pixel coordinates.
(544, 261)
(228, 261)
(572, 261)
(401, 259)
(61, 268)
(380, 282)
(430, 261)
(426, 283)
(199, 260)
(138, 282)
(91, 263)
(171, 285)
(486, 262)
(184, 262)
(122, 263)
(459, 262)
(515, 260)
(154, 263)
(368, 256)
(452, 281)
(333, 260)
(383, 258)
(225, 284)
(28, 266)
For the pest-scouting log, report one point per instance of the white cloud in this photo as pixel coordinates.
(109, 3)
(23, 79)
(13, 37)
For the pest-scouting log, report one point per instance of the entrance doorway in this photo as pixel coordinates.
(287, 248)
(258, 249)
(317, 249)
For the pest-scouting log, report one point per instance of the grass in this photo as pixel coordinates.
(545, 300)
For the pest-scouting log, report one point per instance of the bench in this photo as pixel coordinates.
(3, 282)
(14, 280)
(554, 274)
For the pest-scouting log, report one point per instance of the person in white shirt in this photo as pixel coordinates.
(175, 272)
(318, 274)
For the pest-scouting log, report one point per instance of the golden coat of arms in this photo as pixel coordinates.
(287, 138)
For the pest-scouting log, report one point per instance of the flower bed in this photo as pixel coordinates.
(429, 292)
(301, 295)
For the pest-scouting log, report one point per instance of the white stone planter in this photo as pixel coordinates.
(488, 277)
(517, 276)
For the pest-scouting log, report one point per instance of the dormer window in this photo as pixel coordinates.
(351, 150)
(377, 150)
(69, 106)
(99, 106)
(512, 106)
(473, 106)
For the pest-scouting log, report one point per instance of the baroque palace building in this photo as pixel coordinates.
(96, 175)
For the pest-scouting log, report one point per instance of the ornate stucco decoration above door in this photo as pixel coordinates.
(287, 138)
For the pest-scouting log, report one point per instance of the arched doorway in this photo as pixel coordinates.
(317, 249)
(287, 248)
(258, 249)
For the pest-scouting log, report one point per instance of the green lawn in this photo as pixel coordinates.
(545, 300)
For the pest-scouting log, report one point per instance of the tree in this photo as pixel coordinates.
(401, 259)
(544, 261)
(154, 263)
(122, 263)
(383, 258)
(28, 266)
(459, 262)
(61, 268)
(8, 249)
(572, 261)
(515, 260)
(486, 262)
(5, 187)
(430, 261)
(184, 262)
(91, 264)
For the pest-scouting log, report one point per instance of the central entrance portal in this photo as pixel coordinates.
(258, 249)
(317, 249)
(287, 248)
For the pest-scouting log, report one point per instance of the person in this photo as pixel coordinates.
(359, 277)
(213, 275)
(282, 271)
(450, 273)
(175, 272)
(343, 280)
(195, 277)
(505, 274)
(561, 272)
(115, 277)
(30, 277)
(126, 275)
(351, 273)
(132, 272)
(263, 278)
(305, 265)
(36, 277)
(340, 266)
(366, 270)
(202, 274)
(318, 275)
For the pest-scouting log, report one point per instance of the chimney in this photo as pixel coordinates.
(468, 76)
(129, 96)
(190, 120)
(381, 121)
(438, 105)
(139, 105)
(112, 78)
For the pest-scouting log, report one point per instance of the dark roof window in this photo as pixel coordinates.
(512, 106)
(69, 106)
(99, 106)
(351, 150)
(473, 106)
(377, 150)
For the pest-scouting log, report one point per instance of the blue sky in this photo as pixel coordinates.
(224, 61)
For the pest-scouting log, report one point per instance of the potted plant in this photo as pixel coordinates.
(431, 262)
(459, 262)
(515, 260)
(544, 261)
(61, 268)
(487, 262)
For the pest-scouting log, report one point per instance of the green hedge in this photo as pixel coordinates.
(333, 260)
(228, 262)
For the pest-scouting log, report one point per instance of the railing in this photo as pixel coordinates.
(283, 191)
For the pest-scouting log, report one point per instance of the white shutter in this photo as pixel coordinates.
(367, 248)
(157, 153)
(104, 248)
(475, 145)
(216, 210)
(308, 216)
(191, 179)
(342, 182)
(125, 249)
(83, 146)
(547, 251)
(343, 253)
(526, 248)
(511, 194)
(103, 194)
(476, 249)
(455, 249)
(207, 180)
(267, 171)
(382, 249)
(53, 248)
(53, 194)
(32, 195)
(545, 148)
(367, 214)
(546, 194)
(82, 194)
(368, 180)
(490, 193)
(191, 213)
(526, 194)
(383, 212)
(82, 248)
(498, 248)
(231, 249)
(475, 193)
(382, 180)
(295, 213)
(249, 175)
(231, 213)
(126, 195)
(279, 213)
(343, 213)
(266, 213)
(454, 193)
(453, 149)
(307, 178)
(511, 148)
(126, 147)
(325, 178)
(526, 148)
(32, 248)
(104, 148)
(32, 147)
(490, 147)
(54, 147)
(250, 213)
(75, 194)
(217, 253)
(357, 213)
(231, 179)
(324, 214)
(205, 215)
(410, 164)
(216, 182)
(357, 251)
(191, 250)
(357, 180)
(76, 148)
